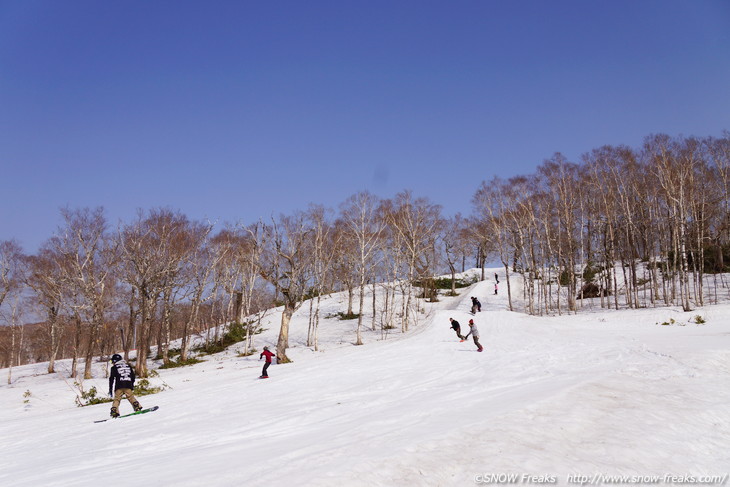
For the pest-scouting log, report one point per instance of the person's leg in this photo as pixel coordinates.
(115, 403)
(129, 393)
(118, 394)
(264, 373)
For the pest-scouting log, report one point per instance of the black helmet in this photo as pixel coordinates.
(116, 358)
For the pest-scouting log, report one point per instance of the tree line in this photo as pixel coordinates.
(626, 227)
(635, 227)
(164, 277)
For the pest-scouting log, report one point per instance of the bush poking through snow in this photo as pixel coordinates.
(172, 364)
(89, 398)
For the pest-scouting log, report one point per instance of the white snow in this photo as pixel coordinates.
(565, 399)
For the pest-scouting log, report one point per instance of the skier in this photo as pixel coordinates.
(269, 355)
(457, 328)
(121, 381)
(496, 277)
(474, 334)
(495, 287)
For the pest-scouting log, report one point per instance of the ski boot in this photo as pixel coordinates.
(114, 413)
(136, 406)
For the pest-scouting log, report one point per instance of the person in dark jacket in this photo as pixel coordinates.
(269, 355)
(475, 335)
(457, 328)
(121, 381)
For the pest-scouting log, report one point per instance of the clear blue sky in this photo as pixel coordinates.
(235, 110)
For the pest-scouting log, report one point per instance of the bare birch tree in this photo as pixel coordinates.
(144, 245)
(286, 264)
(365, 228)
(45, 280)
(416, 223)
(89, 256)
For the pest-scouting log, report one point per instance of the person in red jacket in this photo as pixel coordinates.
(269, 355)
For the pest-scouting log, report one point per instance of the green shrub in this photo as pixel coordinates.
(564, 277)
(178, 363)
(144, 388)
(236, 333)
(346, 316)
(89, 398)
(209, 348)
(253, 351)
(589, 273)
(445, 282)
(172, 352)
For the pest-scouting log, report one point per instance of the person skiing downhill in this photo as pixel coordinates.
(121, 381)
(474, 334)
(269, 355)
(457, 328)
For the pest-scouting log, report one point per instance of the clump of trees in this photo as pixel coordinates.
(642, 226)
(163, 277)
(625, 227)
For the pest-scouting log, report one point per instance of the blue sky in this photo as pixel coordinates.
(232, 111)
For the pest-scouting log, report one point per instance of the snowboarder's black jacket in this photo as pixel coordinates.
(122, 376)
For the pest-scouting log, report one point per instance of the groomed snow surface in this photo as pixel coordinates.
(565, 400)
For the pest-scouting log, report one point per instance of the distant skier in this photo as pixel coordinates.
(457, 328)
(496, 277)
(496, 287)
(474, 334)
(121, 381)
(269, 355)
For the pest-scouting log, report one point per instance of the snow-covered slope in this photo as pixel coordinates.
(600, 393)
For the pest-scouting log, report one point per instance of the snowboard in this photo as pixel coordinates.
(148, 410)
(263, 377)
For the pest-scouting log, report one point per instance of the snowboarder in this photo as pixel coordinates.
(474, 334)
(121, 381)
(269, 355)
(475, 305)
(457, 328)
